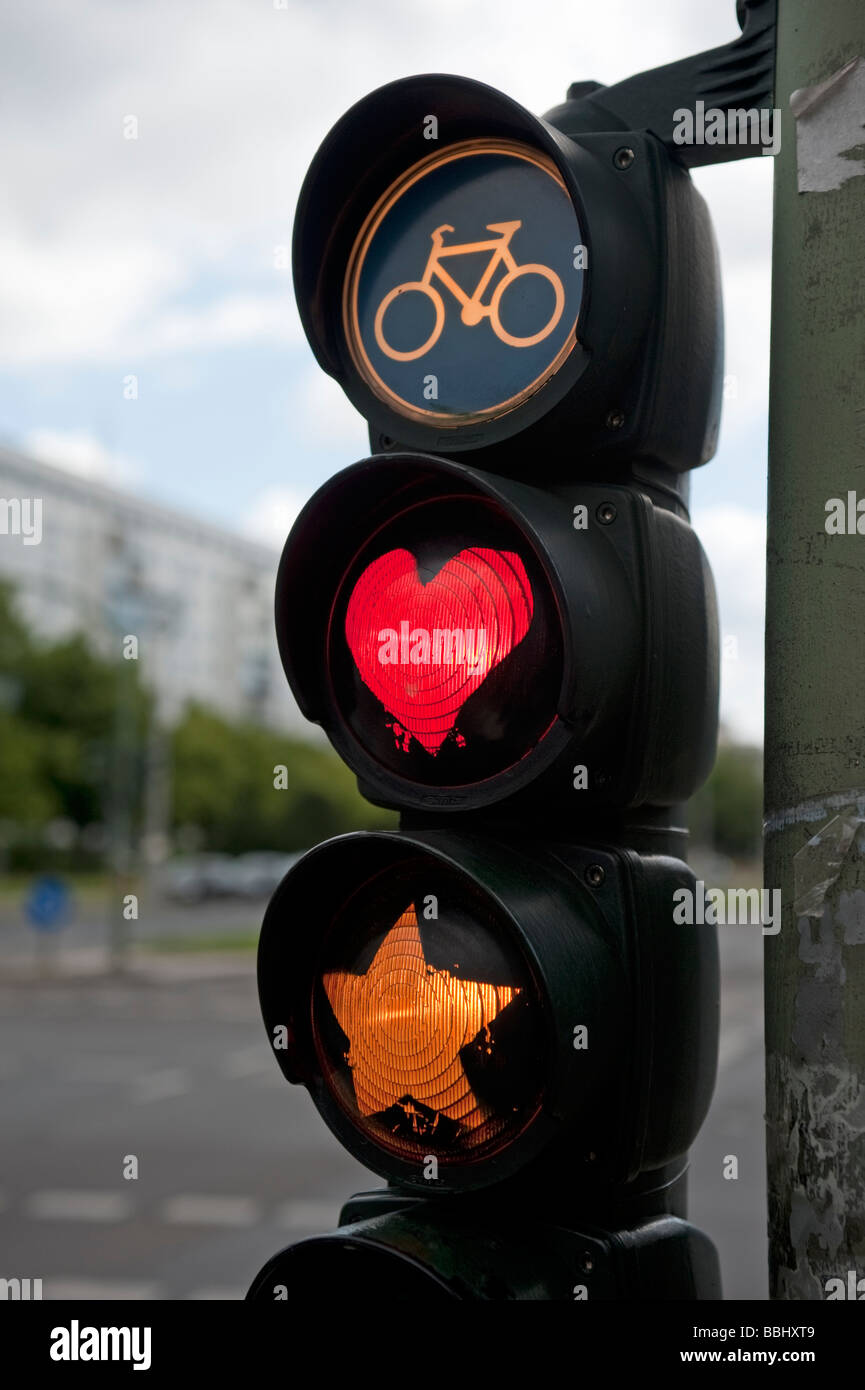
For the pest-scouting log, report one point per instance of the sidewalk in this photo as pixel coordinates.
(87, 964)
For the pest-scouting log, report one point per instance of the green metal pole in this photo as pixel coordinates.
(815, 661)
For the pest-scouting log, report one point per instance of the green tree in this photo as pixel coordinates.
(71, 693)
(15, 644)
(25, 795)
(26, 799)
(62, 752)
(727, 814)
(59, 704)
(224, 783)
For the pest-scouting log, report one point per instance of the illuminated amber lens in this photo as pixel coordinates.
(430, 1057)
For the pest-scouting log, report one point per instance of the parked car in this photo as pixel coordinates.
(257, 875)
(198, 877)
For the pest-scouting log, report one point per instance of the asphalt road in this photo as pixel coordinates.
(233, 1163)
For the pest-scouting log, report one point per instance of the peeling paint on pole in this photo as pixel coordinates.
(820, 1142)
(815, 662)
(829, 129)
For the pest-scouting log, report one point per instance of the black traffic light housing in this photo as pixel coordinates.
(413, 1251)
(734, 75)
(644, 379)
(495, 1007)
(591, 928)
(624, 681)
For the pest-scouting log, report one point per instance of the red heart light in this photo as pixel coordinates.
(424, 646)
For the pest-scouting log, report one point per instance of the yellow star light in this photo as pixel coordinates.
(406, 1023)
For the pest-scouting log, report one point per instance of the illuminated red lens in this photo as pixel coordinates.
(423, 644)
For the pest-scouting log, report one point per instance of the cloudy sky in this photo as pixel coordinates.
(156, 257)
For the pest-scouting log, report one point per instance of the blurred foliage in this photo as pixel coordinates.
(58, 705)
(727, 814)
(25, 795)
(224, 783)
(61, 746)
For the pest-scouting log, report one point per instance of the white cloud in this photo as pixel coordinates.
(739, 195)
(272, 515)
(234, 318)
(105, 234)
(735, 542)
(322, 415)
(80, 452)
(114, 249)
(65, 299)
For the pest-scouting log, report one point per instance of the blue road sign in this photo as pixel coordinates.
(48, 904)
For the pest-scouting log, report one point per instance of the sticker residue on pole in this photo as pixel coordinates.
(818, 863)
(830, 129)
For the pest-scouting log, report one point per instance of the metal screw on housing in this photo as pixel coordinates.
(615, 419)
(624, 158)
(595, 875)
(606, 513)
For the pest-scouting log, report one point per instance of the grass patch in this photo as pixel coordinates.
(85, 889)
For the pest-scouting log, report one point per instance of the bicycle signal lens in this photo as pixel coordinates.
(427, 1024)
(464, 285)
(446, 655)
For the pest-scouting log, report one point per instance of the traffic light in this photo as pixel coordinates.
(506, 627)
(576, 342)
(470, 641)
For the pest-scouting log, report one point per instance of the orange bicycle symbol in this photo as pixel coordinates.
(472, 310)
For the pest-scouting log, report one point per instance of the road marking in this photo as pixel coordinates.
(313, 1215)
(191, 1209)
(161, 1085)
(99, 1290)
(79, 1206)
(183, 1209)
(218, 1293)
